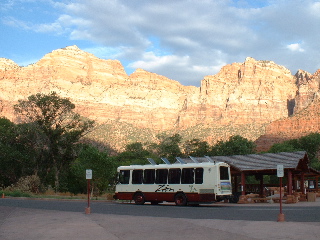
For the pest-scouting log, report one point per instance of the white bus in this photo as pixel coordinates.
(182, 183)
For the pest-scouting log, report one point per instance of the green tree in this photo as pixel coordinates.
(195, 147)
(103, 170)
(60, 127)
(282, 147)
(134, 153)
(169, 146)
(31, 138)
(236, 145)
(309, 143)
(11, 160)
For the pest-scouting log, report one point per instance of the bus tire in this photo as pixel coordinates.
(139, 198)
(180, 199)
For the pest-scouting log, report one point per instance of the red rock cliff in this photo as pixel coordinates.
(246, 95)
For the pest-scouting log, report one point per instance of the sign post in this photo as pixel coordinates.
(88, 177)
(280, 174)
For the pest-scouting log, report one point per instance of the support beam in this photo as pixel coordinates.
(261, 185)
(180, 160)
(295, 183)
(243, 183)
(289, 184)
(151, 161)
(166, 161)
(209, 159)
(235, 187)
(193, 159)
(303, 189)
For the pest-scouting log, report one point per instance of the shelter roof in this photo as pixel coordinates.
(262, 162)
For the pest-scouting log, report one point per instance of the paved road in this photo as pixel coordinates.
(38, 219)
(253, 212)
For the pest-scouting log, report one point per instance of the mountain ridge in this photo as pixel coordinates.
(243, 98)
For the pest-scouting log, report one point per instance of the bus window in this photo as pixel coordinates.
(148, 176)
(199, 176)
(174, 176)
(137, 176)
(187, 175)
(124, 176)
(161, 176)
(224, 173)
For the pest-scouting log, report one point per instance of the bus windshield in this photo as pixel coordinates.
(224, 173)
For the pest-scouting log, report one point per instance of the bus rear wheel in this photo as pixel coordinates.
(139, 199)
(180, 199)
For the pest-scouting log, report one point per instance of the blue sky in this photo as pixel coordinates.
(183, 40)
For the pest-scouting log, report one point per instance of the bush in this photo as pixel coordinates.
(103, 171)
(28, 184)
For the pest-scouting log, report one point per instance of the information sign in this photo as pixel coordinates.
(280, 171)
(88, 174)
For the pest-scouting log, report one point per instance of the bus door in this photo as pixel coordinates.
(225, 180)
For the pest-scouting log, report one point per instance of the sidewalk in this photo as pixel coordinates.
(298, 204)
(34, 224)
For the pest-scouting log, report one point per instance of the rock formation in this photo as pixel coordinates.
(308, 89)
(241, 99)
(253, 91)
(306, 119)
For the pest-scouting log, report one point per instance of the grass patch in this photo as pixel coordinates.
(53, 195)
(15, 193)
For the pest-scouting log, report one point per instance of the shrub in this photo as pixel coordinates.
(26, 184)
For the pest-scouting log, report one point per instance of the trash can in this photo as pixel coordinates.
(311, 197)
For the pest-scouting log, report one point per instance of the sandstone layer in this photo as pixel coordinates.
(306, 119)
(242, 98)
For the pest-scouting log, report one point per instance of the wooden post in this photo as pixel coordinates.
(88, 210)
(235, 178)
(88, 177)
(261, 185)
(281, 215)
(242, 198)
(295, 180)
(280, 174)
(289, 184)
(243, 184)
(302, 184)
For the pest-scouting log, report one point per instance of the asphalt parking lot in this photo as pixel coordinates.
(34, 224)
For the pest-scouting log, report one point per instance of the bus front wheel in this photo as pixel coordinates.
(139, 199)
(180, 199)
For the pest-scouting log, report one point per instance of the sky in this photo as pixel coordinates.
(184, 40)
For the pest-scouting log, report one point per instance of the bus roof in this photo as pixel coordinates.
(174, 165)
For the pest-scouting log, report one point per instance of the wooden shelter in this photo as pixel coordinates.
(296, 169)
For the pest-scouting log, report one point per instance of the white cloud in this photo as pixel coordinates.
(186, 40)
(295, 47)
(315, 9)
(153, 62)
(176, 67)
(53, 27)
(6, 5)
(208, 70)
(10, 21)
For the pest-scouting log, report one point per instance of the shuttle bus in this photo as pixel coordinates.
(182, 183)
